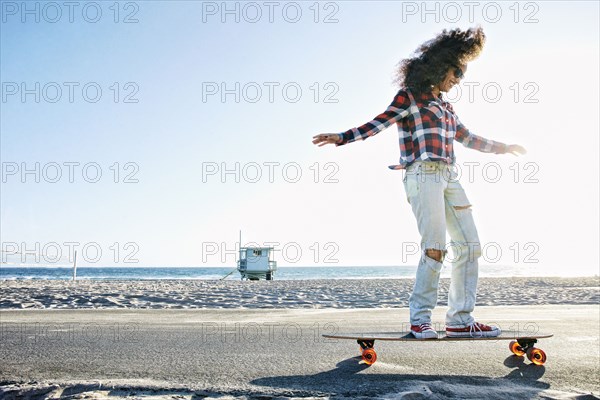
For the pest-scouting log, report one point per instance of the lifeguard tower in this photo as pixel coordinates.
(256, 263)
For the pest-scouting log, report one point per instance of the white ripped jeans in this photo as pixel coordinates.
(433, 191)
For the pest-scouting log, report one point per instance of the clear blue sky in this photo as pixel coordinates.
(177, 49)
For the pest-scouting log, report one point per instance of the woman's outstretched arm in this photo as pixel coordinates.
(472, 141)
(398, 109)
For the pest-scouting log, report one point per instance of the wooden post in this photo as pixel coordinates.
(75, 267)
(239, 261)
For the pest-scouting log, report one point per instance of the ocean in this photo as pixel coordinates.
(282, 273)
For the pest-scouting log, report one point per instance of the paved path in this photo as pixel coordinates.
(281, 352)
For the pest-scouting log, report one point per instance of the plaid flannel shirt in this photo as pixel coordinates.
(427, 127)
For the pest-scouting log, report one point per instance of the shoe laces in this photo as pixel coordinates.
(475, 329)
(425, 327)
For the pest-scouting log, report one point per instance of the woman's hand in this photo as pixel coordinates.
(325, 138)
(515, 149)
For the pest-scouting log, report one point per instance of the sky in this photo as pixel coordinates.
(149, 133)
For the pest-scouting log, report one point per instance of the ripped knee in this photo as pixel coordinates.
(462, 207)
(437, 255)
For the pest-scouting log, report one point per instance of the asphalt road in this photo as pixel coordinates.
(281, 352)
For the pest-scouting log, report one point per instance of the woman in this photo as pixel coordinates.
(428, 126)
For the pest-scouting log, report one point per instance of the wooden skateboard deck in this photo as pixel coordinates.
(521, 343)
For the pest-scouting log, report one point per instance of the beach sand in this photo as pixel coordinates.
(262, 340)
(330, 293)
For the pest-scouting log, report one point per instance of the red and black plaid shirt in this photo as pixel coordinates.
(427, 127)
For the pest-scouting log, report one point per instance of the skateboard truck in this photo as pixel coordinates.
(369, 355)
(524, 346)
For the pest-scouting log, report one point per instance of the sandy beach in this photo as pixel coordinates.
(331, 293)
(262, 340)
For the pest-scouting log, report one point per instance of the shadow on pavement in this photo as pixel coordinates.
(524, 371)
(346, 380)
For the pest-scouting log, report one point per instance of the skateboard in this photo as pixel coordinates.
(521, 343)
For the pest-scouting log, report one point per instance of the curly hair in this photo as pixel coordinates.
(430, 63)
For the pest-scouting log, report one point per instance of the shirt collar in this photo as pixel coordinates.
(429, 96)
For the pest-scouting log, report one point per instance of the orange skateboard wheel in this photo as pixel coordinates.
(516, 348)
(369, 356)
(536, 356)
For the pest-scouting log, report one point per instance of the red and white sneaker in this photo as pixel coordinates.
(423, 331)
(475, 330)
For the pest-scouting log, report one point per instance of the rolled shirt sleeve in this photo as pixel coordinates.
(472, 141)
